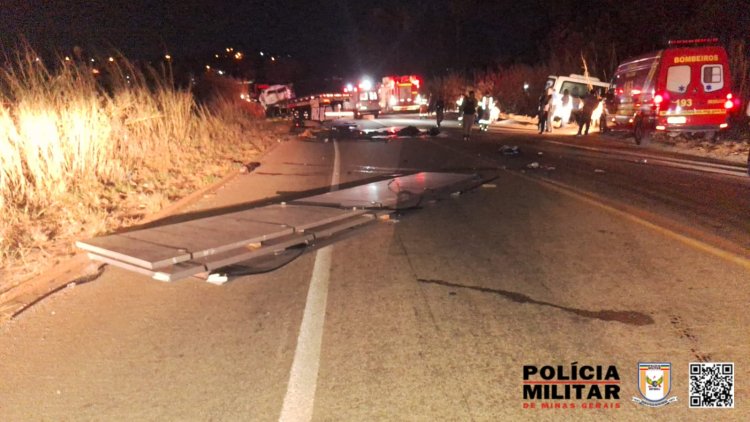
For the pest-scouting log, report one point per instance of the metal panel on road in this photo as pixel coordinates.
(162, 246)
(179, 250)
(398, 192)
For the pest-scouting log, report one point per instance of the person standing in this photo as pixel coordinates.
(553, 102)
(566, 106)
(469, 108)
(589, 104)
(544, 100)
(439, 110)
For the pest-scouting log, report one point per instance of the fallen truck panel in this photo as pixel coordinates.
(158, 247)
(179, 250)
(396, 193)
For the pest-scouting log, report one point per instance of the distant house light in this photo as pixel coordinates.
(261, 53)
(111, 59)
(168, 57)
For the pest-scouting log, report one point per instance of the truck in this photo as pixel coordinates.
(682, 88)
(401, 93)
(353, 101)
(275, 99)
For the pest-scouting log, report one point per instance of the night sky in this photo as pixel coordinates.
(365, 37)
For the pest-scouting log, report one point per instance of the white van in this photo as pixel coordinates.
(578, 87)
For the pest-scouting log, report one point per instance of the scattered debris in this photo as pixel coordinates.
(550, 168)
(408, 131)
(489, 185)
(249, 167)
(598, 171)
(534, 165)
(540, 153)
(509, 150)
(456, 194)
(217, 278)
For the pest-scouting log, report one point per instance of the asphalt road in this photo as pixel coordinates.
(594, 257)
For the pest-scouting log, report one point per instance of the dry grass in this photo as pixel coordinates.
(77, 159)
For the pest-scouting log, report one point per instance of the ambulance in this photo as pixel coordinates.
(683, 88)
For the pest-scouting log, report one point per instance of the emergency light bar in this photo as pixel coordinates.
(697, 41)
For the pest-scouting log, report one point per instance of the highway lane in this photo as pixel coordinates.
(427, 318)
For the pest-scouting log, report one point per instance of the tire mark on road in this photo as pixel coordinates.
(625, 317)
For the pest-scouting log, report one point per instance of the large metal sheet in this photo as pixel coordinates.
(186, 248)
(298, 217)
(399, 192)
(157, 247)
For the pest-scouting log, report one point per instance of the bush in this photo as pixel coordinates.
(85, 150)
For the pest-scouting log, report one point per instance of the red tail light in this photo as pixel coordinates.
(729, 103)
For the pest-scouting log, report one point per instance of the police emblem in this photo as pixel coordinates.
(654, 384)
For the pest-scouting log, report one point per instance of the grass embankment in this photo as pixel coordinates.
(78, 159)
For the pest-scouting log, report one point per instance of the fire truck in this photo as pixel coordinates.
(401, 93)
(354, 101)
(683, 88)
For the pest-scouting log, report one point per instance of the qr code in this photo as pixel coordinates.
(711, 385)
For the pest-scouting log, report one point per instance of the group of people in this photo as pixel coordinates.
(552, 105)
(472, 111)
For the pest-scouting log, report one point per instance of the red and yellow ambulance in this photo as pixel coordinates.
(683, 88)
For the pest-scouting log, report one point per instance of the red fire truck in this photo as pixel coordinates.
(354, 101)
(683, 88)
(401, 93)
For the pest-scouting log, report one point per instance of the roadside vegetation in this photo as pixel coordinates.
(88, 147)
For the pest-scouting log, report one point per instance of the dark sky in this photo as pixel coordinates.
(366, 37)
(375, 36)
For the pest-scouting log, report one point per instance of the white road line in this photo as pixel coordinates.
(336, 167)
(299, 400)
(303, 379)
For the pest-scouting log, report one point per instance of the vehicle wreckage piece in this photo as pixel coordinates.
(200, 246)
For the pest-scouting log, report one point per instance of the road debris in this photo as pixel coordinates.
(533, 165)
(489, 185)
(600, 171)
(509, 150)
(408, 131)
(540, 153)
(550, 168)
(217, 278)
(249, 167)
